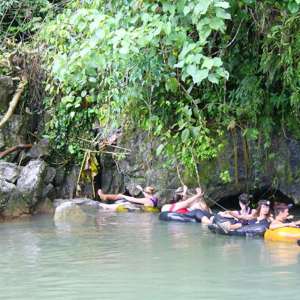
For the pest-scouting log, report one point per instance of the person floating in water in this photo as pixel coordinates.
(261, 215)
(281, 217)
(148, 200)
(244, 203)
(191, 207)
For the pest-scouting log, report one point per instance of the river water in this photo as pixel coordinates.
(135, 256)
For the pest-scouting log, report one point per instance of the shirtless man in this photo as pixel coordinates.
(282, 213)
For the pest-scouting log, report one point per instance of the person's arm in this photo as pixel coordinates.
(224, 214)
(277, 224)
(188, 202)
(184, 194)
(237, 216)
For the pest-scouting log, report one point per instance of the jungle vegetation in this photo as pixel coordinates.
(185, 71)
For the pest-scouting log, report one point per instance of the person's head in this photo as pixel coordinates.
(244, 200)
(176, 198)
(149, 190)
(263, 208)
(282, 211)
(179, 191)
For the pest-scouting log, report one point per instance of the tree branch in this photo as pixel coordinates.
(13, 103)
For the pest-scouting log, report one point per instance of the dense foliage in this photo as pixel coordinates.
(185, 71)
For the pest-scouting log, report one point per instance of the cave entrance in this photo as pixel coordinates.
(232, 203)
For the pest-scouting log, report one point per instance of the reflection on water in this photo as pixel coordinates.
(136, 256)
(282, 254)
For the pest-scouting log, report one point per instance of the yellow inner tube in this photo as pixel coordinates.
(137, 208)
(284, 234)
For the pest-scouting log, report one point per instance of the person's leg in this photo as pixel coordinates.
(200, 216)
(234, 226)
(227, 226)
(208, 218)
(110, 197)
(111, 206)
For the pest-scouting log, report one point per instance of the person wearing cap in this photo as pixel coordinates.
(148, 200)
(281, 217)
(260, 215)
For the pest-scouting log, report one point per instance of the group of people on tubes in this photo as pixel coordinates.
(194, 207)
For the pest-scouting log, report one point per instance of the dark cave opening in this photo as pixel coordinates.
(232, 202)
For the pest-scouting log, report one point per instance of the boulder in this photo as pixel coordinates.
(8, 193)
(68, 186)
(45, 207)
(38, 151)
(69, 211)
(9, 171)
(31, 181)
(51, 172)
(49, 192)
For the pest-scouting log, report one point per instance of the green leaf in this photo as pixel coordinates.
(204, 32)
(293, 7)
(173, 85)
(212, 78)
(167, 28)
(216, 23)
(185, 135)
(200, 75)
(170, 149)
(159, 149)
(218, 62)
(194, 132)
(201, 7)
(208, 63)
(224, 5)
(222, 14)
(223, 73)
(100, 33)
(191, 70)
(179, 64)
(186, 10)
(171, 60)
(81, 26)
(124, 50)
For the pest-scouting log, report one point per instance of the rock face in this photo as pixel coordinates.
(6, 91)
(251, 168)
(31, 181)
(13, 133)
(26, 190)
(9, 172)
(38, 151)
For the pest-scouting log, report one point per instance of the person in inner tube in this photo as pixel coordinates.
(281, 217)
(148, 200)
(193, 206)
(244, 203)
(261, 215)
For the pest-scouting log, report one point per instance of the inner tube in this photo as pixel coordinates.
(137, 208)
(284, 234)
(255, 230)
(176, 217)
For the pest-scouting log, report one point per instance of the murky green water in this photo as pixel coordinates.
(136, 256)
